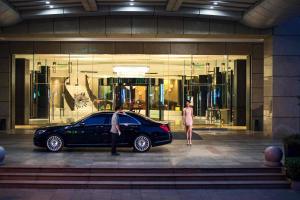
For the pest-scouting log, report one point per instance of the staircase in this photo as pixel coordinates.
(142, 178)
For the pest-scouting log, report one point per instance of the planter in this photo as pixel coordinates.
(292, 169)
(295, 185)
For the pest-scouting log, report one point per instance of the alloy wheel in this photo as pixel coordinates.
(54, 143)
(142, 143)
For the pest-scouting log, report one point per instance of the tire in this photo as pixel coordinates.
(54, 143)
(142, 143)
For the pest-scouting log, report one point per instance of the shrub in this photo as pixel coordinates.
(292, 146)
(292, 166)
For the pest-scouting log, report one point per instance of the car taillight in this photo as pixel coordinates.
(165, 128)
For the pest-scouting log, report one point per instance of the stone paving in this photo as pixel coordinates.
(210, 149)
(148, 194)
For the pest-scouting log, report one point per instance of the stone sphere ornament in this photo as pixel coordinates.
(2, 155)
(273, 156)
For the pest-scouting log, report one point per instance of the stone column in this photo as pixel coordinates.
(257, 86)
(5, 85)
(282, 80)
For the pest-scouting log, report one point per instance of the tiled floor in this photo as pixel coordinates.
(210, 149)
(147, 194)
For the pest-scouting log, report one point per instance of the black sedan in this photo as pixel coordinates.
(138, 132)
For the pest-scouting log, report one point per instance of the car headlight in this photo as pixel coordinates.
(38, 132)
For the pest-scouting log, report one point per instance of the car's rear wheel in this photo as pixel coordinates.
(55, 143)
(142, 143)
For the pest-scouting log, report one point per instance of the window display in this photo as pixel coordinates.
(64, 88)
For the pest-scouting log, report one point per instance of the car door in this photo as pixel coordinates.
(94, 129)
(85, 132)
(105, 133)
(76, 134)
(129, 128)
(101, 136)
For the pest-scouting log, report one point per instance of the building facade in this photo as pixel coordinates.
(58, 69)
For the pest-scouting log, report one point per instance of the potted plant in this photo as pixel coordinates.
(292, 166)
(292, 146)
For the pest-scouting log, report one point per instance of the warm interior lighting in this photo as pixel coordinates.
(131, 71)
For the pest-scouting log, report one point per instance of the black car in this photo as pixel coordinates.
(137, 131)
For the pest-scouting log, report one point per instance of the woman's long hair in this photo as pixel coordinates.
(187, 101)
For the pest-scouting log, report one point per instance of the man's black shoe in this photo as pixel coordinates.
(115, 154)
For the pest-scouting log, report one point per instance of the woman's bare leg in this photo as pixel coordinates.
(191, 134)
(187, 134)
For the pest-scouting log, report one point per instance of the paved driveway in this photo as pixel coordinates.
(210, 149)
(146, 194)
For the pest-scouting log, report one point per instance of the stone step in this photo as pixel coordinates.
(141, 184)
(185, 178)
(60, 169)
(141, 176)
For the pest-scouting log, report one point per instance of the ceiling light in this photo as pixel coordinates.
(132, 4)
(216, 3)
(47, 2)
(131, 0)
(131, 71)
(211, 7)
(50, 6)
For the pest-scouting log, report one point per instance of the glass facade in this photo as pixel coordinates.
(64, 88)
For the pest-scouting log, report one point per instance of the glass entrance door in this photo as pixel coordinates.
(132, 97)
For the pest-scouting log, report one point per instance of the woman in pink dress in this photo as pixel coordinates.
(188, 121)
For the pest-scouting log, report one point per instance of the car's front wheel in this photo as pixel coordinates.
(142, 143)
(55, 143)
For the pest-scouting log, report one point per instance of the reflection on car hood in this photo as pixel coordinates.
(54, 126)
(163, 122)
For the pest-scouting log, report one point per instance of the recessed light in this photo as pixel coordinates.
(47, 2)
(211, 7)
(216, 3)
(50, 6)
(131, 0)
(132, 4)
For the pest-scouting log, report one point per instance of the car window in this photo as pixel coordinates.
(141, 118)
(95, 120)
(125, 119)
